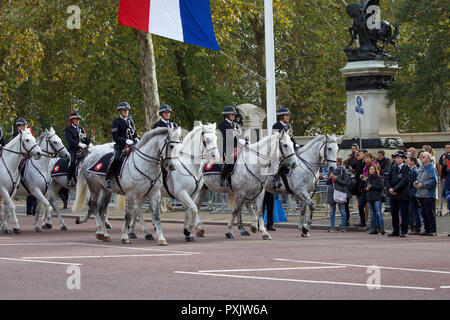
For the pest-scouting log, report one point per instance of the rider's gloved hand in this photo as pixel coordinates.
(129, 142)
(82, 145)
(136, 140)
(296, 146)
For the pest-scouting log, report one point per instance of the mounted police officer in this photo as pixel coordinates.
(230, 132)
(124, 134)
(2, 139)
(22, 125)
(164, 112)
(282, 124)
(77, 139)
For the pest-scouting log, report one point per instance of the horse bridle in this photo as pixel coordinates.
(27, 153)
(161, 159)
(48, 142)
(204, 151)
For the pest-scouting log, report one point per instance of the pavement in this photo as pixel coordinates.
(321, 220)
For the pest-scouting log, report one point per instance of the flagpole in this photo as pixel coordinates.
(270, 65)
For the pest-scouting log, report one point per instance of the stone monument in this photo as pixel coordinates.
(368, 75)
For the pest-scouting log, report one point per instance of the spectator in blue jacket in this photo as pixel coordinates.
(425, 184)
(415, 211)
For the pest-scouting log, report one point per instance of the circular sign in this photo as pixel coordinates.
(98, 167)
(56, 168)
(208, 166)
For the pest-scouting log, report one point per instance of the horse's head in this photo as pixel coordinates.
(329, 151)
(29, 145)
(209, 141)
(287, 150)
(54, 144)
(170, 149)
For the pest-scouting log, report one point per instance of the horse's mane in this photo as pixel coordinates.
(150, 134)
(191, 135)
(308, 146)
(40, 138)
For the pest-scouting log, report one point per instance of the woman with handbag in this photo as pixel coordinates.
(338, 193)
(374, 187)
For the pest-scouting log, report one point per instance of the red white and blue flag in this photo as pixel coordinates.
(183, 20)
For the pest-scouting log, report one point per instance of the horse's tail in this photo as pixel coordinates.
(231, 200)
(121, 202)
(82, 192)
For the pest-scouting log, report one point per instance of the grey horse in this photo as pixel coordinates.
(23, 145)
(254, 164)
(37, 177)
(186, 181)
(140, 179)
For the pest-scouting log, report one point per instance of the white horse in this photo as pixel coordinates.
(23, 145)
(140, 179)
(186, 181)
(302, 181)
(253, 166)
(59, 182)
(37, 175)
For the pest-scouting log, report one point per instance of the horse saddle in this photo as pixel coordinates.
(215, 168)
(61, 168)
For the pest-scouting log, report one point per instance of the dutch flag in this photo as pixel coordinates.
(183, 20)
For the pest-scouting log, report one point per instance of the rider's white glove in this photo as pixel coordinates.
(82, 145)
(136, 140)
(242, 142)
(90, 145)
(296, 146)
(129, 142)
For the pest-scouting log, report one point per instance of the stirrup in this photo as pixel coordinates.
(70, 183)
(108, 184)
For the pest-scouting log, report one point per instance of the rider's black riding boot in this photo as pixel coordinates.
(112, 168)
(225, 171)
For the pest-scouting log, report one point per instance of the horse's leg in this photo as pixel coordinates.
(140, 214)
(305, 225)
(198, 220)
(126, 224)
(254, 226)
(4, 194)
(155, 202)
(92, 209)
(105, 199)
(36, 217)
(133, 217)
(10, 207)
(190, 214)
(238, 201)
(88, 214)
(259, 207)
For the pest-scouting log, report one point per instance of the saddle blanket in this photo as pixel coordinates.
(61, 168)
(214, 168)
(101, 166)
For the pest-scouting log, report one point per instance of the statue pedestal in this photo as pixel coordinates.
(370, 80)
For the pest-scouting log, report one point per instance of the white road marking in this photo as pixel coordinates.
(304, 281)
(133, 248)
(445, 287)
(113, 256)
(6, 238)
(40, 261)
(273, 269)
(363, 266)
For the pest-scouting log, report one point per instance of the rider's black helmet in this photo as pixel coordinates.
(164, 108)
(123, 105)
(75, 115)
(21, 121)
(282, 111)
(227, 110)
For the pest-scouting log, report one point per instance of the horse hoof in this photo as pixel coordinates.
(99, 236)
(16, 231)
(229, 235)
(201, 233)
(244, 233)
(108, 226)
(162, 243)
(189, 239)
(48, 226)
(304, 230)
(132, 235)
(77, 220)
(125, 241)
(37, 229)
(186, 232)
(253, 229)
(7, 231)
(306, 235)
(63, 228)
(106, 239)
(149, 237)
(267, 237)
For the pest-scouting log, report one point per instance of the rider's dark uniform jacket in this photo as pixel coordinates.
(15, 134)
(123, 129)
(163, 124)
(223, 127)
(75, 135)
(2, 139)
(286, 127)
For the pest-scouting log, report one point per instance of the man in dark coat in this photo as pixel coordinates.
(230, 132)
(397, 184)
(123, 133)
(77, 139)
(282, 124)
(164, 112)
